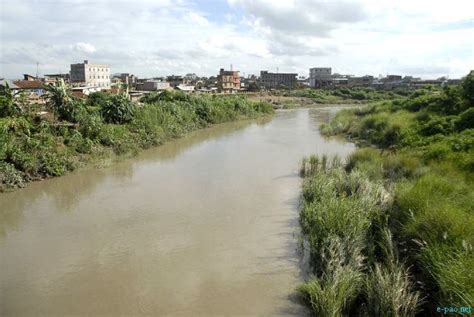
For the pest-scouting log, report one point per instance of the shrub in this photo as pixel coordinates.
(466, 120)
(10, 177)
(118, 109)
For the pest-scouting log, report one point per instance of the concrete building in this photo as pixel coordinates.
(129, 79)
(277, 80)
(228, 81)
(53, 78)
(86, 74)
(152, 85)
(362, 81)
(185, 88)
(319, 77)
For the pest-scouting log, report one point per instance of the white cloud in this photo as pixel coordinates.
(153, 38)
(84, 47)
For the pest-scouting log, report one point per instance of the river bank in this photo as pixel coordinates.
(389, 230)
(103, 127)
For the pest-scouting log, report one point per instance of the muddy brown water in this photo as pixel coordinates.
(206, 225)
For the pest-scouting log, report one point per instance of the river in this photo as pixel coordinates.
(206, 225)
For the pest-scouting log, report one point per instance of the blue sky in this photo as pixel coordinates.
(159, 37)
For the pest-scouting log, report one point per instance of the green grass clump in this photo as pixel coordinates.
(389, 292)
(335, 290)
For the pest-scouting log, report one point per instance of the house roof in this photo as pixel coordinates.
(10, 83)
(29, 84)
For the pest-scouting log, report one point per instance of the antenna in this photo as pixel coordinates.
(277, 70)
(37, 70)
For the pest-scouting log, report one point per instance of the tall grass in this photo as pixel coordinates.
(334, 291)
(343, 212)
(389, 288)
(425, 162)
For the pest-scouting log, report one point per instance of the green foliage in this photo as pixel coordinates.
(117, 109)
(466, 120)
(10, 177)
(344, 214)
(389, 292)
(335, 290)
(61, 102)
(34, 148)
(426, 167)
(9, 105)
(468, 89)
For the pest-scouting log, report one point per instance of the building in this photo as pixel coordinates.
(86, 74)
(84, 90)
(152, 85)
(362, 81)
(175, 80)
(28, 77)
(190, 78)
(126, 78)
(185, 88)
(32, 88)
(320, 77)
(228, 81)
(53, 78)
(277, 80)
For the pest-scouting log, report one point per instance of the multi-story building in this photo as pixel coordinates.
(319, 77)
(277, 80)
(95, 75)
(228, 81)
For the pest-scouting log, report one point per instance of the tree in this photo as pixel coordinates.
(468, 88)
(253, 86)
(61, 102)
(8, 105)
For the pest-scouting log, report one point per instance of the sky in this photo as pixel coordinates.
(152, 38)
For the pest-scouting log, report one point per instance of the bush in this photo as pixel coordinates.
(466, 120)
(10, 177)
(118, 109)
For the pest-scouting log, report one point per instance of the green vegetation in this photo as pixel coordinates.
(402, 215)
(344, 95)
(34, 147)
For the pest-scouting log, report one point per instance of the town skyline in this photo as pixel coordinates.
(421, 39)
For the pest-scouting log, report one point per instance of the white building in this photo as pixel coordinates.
(95, 75)
(319, 76)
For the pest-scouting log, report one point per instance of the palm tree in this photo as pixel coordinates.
(60, 100)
